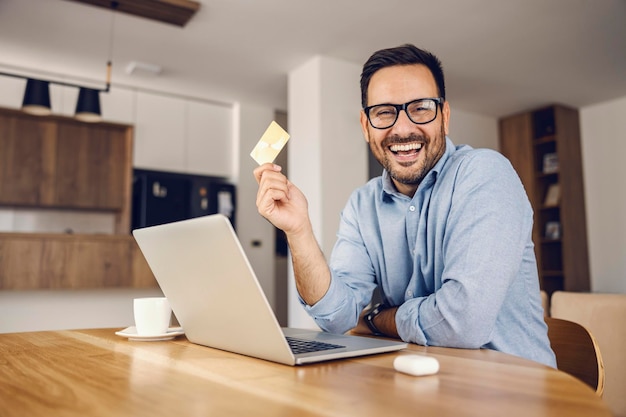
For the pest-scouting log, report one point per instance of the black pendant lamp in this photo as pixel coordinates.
(88, 105)
(37, 97)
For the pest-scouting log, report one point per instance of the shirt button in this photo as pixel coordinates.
(411, 208)
(409, 293)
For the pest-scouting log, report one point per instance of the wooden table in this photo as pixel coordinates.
(96, 373)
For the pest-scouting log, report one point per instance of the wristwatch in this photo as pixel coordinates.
(369, 318)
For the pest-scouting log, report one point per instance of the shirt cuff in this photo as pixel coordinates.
(407, 322)
(324, 308)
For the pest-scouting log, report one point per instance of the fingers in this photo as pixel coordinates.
(258, 171)
(271, 192)
(269, 177)
(273, 187)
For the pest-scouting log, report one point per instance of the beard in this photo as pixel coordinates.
(411, 173)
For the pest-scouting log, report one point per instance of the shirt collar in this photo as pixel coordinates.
(390, 189)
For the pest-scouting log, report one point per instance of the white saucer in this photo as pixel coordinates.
(131, 334)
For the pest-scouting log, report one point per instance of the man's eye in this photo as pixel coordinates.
(417, 107)
(385, 113)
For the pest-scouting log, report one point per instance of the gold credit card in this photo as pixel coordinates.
(270, 144)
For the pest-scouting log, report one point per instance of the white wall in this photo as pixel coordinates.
(22, 311)
(473, 129)
(603, 131)
(327, 153)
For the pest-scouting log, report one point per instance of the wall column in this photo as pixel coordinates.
(327, 152)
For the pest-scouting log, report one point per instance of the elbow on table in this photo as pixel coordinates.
(333, 326)
(464, 335)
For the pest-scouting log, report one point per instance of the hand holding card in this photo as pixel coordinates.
(270, 144)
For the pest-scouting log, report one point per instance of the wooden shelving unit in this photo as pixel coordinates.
(544, 147)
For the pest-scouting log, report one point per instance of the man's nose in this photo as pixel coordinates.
(403, 123)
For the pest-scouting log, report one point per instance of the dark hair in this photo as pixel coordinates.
(402, 55)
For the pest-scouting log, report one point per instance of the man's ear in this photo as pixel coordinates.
(364, 123)
(446, 116)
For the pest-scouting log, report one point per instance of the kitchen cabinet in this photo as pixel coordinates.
(57, 162)
(27, 160)
(159, 132)
(91, 166)
(210, 147)
(30, 261)
(183, 135)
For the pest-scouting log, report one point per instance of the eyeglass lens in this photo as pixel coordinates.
(420, 111)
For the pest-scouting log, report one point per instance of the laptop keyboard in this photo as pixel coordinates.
(305, 346)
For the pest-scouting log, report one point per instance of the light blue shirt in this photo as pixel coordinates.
(457, 258)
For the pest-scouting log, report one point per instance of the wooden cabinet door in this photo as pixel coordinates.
(27, 154)
(51, 162)
(90, 166)
(516, 144)
(30, 261)
(101, 263)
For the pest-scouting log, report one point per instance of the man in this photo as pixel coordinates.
(444, 233)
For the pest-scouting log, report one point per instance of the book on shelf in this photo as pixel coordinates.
(553, 195)
(553, 230)
(550, 163)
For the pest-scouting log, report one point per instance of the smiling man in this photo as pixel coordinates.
(444, 235)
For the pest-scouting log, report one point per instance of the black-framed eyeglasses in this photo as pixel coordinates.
(420, 112)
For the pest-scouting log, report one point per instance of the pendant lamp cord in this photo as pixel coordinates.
(114, 6)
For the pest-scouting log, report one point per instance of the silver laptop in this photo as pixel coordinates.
(215, 295)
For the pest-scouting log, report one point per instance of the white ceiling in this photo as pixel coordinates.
(500, 56)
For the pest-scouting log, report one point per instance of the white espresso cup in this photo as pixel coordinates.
(152, 315)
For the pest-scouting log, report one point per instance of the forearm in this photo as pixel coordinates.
(284, 205)
(385, 322)
(311, 271)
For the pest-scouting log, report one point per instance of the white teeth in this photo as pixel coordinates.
(405, 147)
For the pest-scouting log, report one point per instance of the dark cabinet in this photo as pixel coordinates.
(162, 197)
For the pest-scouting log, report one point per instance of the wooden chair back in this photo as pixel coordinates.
(577, 352)
(604, 316)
